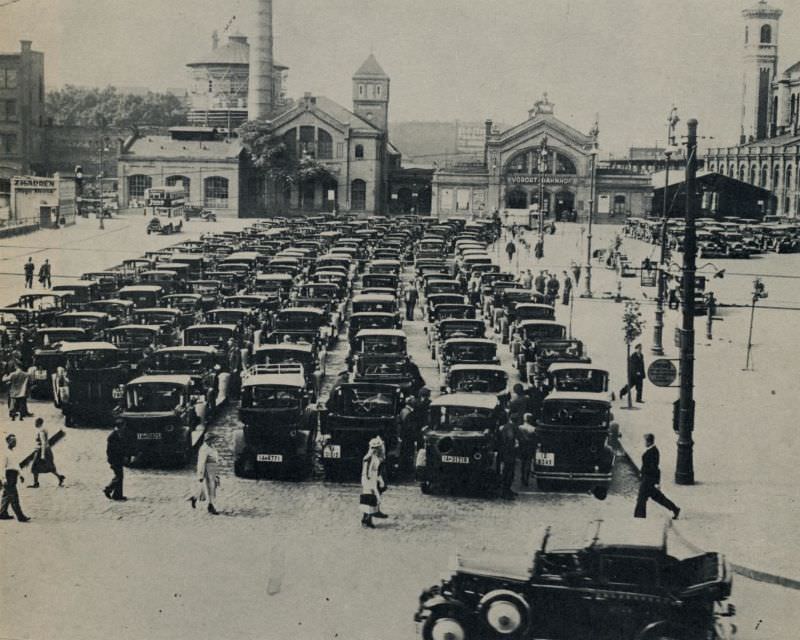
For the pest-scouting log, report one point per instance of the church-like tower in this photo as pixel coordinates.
(759, 68)
(371, 94)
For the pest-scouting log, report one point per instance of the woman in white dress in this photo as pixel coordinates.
(207, 462)
(372, 483)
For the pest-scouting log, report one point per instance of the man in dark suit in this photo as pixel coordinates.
(650, 480)
(115, 454)
(635, 374)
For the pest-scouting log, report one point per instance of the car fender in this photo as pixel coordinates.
(443, 602)
(655, 629)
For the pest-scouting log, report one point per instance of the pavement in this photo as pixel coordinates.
(744, 500)
(290, 559)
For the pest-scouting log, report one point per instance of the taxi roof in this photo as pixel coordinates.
(471, 400)
(373, 297)
(143, 327)
(229, 327)
(285, 346)
(471, 341)
(162, 379)
(274, 276)
(395, 333)
(578, 395)
(168, 310)
(313, 310)
(526, 323)
(150, 288)
(242, 310)
(477, 367)
(87, 346)
(198, 348)
(570, 366)
(296, 380)
(89, 314)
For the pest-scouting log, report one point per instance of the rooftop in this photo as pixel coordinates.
(370, 69)
(235, 52)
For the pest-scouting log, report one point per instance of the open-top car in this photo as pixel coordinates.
(356, 413)
(609, 583)
(163, 418)
(459, 443)
(44, 307)
(279, 423)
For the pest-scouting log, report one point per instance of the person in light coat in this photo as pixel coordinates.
(207, 461)
(372, 483)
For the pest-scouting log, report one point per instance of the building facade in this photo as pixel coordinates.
(541, 163)
(21, 114)
(768, 153)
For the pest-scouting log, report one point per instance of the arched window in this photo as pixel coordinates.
(358, 195)
(713, 167)
(619, 204)
(787, 205)
(776, 178)
(787, 182)
(137, 185)
(565, 165)
(179, 181)
(359, 151)
(763, 182)
(361, 91)
(215, 192)
(766, 34)
(324, 144)
(752, 179)
(741, 173)
(518, 164)
(377, 90)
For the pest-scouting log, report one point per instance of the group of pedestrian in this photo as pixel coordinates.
(45, 273)
(548, 286)
(18, 382)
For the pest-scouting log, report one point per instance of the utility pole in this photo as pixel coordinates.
(759, 292)
(595, 132)
(684, 468)
(658, 326)
(542, 166)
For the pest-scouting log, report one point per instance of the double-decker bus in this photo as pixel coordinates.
(169, 201)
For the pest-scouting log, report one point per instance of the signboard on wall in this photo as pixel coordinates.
(462, 199)
(515, 178)
(603, 203)
(446, 199)
(479, 199)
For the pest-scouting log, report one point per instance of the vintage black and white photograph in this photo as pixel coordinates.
(399, 319)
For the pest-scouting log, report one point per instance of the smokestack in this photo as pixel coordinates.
(260, 86)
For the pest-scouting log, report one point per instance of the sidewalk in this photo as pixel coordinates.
(745, 453)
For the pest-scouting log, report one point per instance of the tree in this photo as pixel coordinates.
(632, 326)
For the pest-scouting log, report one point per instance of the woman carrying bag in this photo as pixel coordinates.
(43, 457)
(372, 483)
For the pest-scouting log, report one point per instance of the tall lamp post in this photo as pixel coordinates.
(658, 325)
(684, 468)
(542, 166)
(595, 132)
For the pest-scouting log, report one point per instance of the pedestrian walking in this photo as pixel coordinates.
(567, 290)
(511, 249)
(672, 291)
(518, 404)
(636, 374)
(29, 269)
(43, 461)
(540, 282)
(527, 279)
(649, 484)
(45, 272)
(18, 381)
(411, 297)
(207, 476)
(507, 446)
(115, 455)
(527, 447)
(576, 272)
(552, 289)
(373, 483)
(11, 476)
(538, 249)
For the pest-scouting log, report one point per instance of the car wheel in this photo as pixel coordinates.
(504, 615)
(446, 624)
(426, 487)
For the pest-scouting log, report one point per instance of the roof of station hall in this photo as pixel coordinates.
(235, 51)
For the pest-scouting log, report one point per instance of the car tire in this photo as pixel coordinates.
(447, 624)
(426, 487)
(504, 615)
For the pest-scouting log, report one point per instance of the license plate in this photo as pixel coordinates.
(332, 451)
(456, 459)
(546, 459)
(41, 375)
(148, 436)
(269, 457)
(117, 394)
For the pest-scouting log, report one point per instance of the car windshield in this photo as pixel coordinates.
(280, 356)
(575, 413)
(290, 320)
(443, 287)
(206, 337)
(365, 402)
(154, 318)
(133, 337)
(537, 332)
(375, 306)
(591, 380)
(227, 317)
(375, 280)
(461, 419)
(383, 344)
(181, 362)
(151, 396)
(475, 352)
(382, 367)
(558, 350)
(479, 381)
(534, 313)
(92, 359)
(465, 329)
(270, 398)
(372, 322)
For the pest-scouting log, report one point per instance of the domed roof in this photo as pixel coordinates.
(235, 52)
(762, 10)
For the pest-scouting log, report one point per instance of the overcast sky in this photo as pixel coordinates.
(627, 60)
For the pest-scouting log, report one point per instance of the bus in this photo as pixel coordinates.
(169, 201)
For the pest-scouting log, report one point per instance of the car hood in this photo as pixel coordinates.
(515, 567)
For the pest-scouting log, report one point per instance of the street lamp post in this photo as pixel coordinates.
(588, 278)
(684, 468)
(658, 325)
(542, 166)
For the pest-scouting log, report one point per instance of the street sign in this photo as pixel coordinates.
(662, 372)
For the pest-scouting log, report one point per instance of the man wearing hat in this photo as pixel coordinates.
(115, 454)
(11, 475)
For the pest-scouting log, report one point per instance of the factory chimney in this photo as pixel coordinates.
(260, 99)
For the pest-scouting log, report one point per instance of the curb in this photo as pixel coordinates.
(742, 570)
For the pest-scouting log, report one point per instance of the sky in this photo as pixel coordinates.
(627, 61)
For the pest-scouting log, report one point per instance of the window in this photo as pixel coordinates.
(324, 145)
(619, 204)
(377, 90)
(211, 86)
(339, 149)
(10, 110)
(639, 571)
(766, 34)
(763, 182)
(565, 165)
(10, 79)
(41, 89)
(215, 194)
(361, 91)
(359, 151)
(518, 164)
(358, 195)
(290, 140)
(179, 181)
(746, 35)
(776, 178)
(307, 141)
(137, 185)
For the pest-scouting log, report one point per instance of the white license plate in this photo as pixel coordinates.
(148, 436)
(456, 459)
(117, 394)
(332, 451)
(269, 457)
(546, 459)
